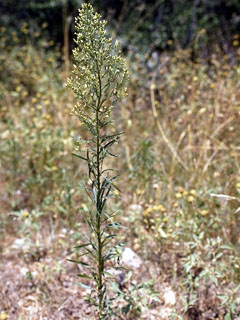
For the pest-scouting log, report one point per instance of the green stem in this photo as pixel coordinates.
(98, 207)
(99, 227)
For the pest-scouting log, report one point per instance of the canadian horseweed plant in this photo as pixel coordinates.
(98, 81)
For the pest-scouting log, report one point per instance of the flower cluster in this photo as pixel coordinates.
(99, 75)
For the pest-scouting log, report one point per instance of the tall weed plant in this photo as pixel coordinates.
(98, 81)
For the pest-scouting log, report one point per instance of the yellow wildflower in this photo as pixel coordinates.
(116, 192)
(47, 116)
(44, 25)
(190, 199)
(53, 168)
(137, 246)
(238, 185)
(3, 316)
(47, 102)
(180, 189)
(147, 212)
(138, 191)
(25, 214)
(193, 192)
(204, 212)
(161, 208)
(178, 195)
(153, 86)
(236, 43)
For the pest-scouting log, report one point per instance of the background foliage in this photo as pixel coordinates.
(151, 25)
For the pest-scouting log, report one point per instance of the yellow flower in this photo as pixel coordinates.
(36, 34)
(236, 43)
(147, 212)
(129, 123)
(53, 168)
(44, 25)
(170, 42)
(162, 208)
(3, 316)
(25, 214)
(195, 79)
(204, 212)
(51, 43)
(180, 189)
(190, 199)
(47, 116)
(137, 246)
(138, 191)
(34, 100)
(178, 195)
(238, 185)
(116, 192)
(47, 102)
(193, 192)
(185, 193)
(153, 86)
(175, 205)
(212, 85)
(19, 88)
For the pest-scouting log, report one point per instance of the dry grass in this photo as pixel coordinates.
(181, 145)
